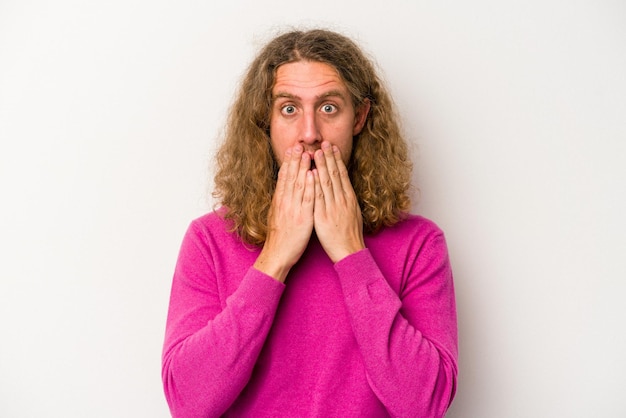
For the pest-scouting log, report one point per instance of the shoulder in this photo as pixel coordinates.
(213, 229)
(413, 236)
(211, 221)
(409, 251)
(411, 226)
(421, 223)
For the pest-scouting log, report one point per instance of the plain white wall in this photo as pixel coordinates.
(109, 113)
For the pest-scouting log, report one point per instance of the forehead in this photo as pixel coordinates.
(307, 76)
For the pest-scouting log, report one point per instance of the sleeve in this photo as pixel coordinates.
(408, 342)
(210, 350)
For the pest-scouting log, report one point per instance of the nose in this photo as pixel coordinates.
(309, 129)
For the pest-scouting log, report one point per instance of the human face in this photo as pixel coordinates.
(312, 104)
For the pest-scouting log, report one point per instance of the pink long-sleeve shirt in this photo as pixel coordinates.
(373, 335)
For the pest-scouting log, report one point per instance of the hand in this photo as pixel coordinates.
(338, 219)
(290, 219)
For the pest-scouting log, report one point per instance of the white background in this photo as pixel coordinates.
(109, 114)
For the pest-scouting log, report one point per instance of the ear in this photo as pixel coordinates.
(360, 117)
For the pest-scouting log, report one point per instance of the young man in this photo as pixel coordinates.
(311, 291)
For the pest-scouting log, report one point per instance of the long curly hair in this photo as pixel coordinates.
(379, 167)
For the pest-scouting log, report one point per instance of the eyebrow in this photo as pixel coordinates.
(331, 93)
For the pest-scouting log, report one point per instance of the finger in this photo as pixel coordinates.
(308, 197)
(293, 157)
(344, 176)
(332, 169)
(302, 180)
(282, 174)
(323, 180)
(320, 204)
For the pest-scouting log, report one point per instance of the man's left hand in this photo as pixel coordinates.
(337, 215)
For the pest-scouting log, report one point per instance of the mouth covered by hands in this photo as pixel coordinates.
(311, 194)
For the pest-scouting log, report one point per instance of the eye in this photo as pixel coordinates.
(288, 109)
(329, 108)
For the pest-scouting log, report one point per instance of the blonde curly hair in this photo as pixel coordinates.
(379, 167)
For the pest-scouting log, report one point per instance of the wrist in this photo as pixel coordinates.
(272, 266)
(340, 255)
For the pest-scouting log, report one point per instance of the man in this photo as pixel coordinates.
(311, 291)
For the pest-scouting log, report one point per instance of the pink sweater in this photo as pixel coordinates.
(373, 335)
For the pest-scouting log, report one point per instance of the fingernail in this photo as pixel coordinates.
(325, 145)
(298, 148)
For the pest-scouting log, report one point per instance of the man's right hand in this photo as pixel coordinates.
(290, 219)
